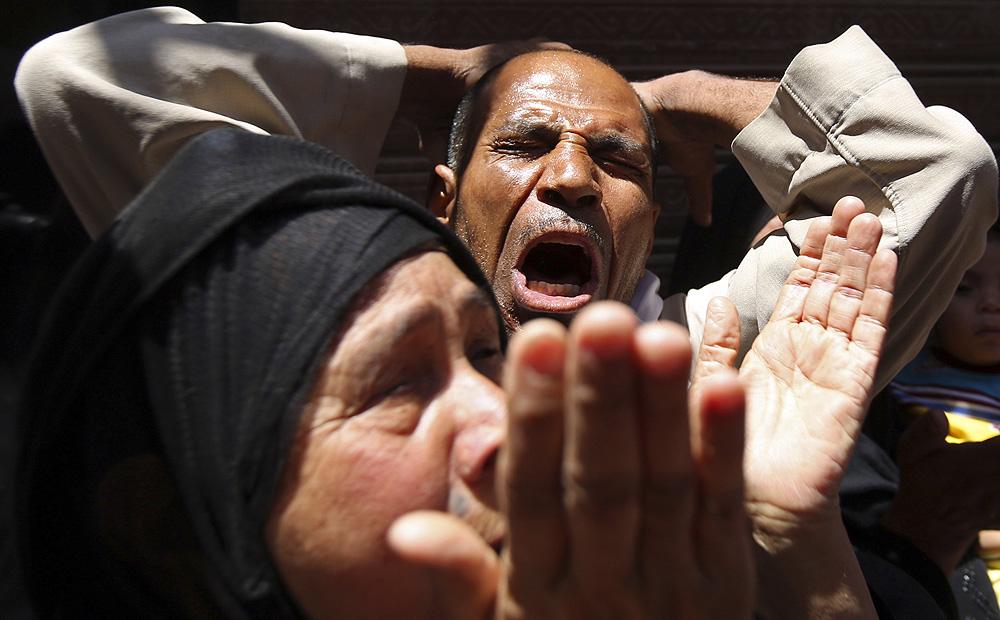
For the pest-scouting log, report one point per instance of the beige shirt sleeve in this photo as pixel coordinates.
(112, 101)
(845, 122)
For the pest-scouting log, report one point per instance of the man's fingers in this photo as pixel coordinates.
(817, 305)
(863, 236)
(844, 212)
(876, 307)
(792, 298)
(602, 467)
(530, 464)
(463, 568)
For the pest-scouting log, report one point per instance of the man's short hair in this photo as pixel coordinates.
(469, 118)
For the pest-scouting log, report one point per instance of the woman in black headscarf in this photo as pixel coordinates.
(177, 376)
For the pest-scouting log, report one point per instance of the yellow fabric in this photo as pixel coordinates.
(964, 429)
(993, 570)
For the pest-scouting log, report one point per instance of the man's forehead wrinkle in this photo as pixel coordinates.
(543, 116)
(536, 124)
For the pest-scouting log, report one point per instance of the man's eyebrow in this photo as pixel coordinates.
(599, 141)
(532, 127)
(612, 141)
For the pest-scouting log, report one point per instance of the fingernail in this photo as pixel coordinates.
(545, 357)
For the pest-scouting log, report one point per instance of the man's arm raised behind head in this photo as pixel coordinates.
(112, 101)
(843, 121)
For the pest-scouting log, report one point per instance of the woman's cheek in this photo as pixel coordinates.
(393, 475)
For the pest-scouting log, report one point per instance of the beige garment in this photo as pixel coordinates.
(845, 122)
(113, 100)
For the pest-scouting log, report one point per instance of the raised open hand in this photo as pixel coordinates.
(614, 512)
(810, 373)
(808, 379)
(615, 507)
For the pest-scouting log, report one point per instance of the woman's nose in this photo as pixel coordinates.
(480, 410)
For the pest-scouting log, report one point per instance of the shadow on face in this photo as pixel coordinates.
(406, 414)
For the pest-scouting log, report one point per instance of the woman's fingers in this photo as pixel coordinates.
(530, 464)
(602, 467)
(616, 502)
(465, 570)
(721, 527)
(662, 353)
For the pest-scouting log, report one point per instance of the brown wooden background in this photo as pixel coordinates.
(949, 49)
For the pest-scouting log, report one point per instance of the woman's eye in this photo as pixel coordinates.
(488, 361)
(399, 388)
(485, 354)
(394, 385)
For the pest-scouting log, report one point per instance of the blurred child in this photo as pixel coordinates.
(959, 371)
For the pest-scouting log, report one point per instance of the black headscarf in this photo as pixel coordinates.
(193, 328)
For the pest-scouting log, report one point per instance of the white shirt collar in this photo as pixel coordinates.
(646, 301)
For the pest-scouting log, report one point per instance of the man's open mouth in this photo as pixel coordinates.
(557, 273)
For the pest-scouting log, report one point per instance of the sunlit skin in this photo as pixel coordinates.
(563, 157)
(406, 415)
(969, 329)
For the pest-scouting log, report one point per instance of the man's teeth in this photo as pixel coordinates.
(554, 290)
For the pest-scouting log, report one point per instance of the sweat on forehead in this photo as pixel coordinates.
(474, 107)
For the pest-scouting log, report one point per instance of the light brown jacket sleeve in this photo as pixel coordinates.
(845, 122)
(112, 101)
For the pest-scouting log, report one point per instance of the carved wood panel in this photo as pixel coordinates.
(947, 48)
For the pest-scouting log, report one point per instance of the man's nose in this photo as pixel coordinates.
(569, 180)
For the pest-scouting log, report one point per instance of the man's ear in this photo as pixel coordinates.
(655, 206)
(442, 193)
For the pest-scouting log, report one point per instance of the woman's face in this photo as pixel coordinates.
(406, 414)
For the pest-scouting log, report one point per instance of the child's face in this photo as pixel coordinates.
(969, 329)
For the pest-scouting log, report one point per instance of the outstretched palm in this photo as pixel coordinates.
(809, 375)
